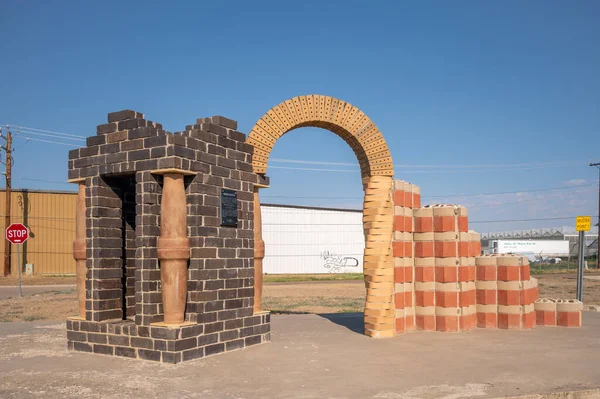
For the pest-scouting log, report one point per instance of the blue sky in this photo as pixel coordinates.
(457, 88)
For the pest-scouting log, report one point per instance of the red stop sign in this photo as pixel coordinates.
(17, 233)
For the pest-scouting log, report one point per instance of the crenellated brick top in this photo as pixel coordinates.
(130, 143)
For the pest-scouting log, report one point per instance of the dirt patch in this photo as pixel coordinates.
(293, 297)
(564, 286)
(36, 280)
(53, 305)
(315, 297)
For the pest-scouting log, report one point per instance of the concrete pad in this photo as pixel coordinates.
(314, 356)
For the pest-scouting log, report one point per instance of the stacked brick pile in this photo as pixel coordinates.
(434, 255)
(406, 197)
(505, 292)
(558, 312)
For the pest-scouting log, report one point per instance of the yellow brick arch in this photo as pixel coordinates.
(376, 167)
(337, 116)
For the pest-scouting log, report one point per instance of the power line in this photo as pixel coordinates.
(48, 135)
(50, 131)
(436, 166)
(47, 141)
(436, 196)
(46, 181)
(398, 172)
(509, 192)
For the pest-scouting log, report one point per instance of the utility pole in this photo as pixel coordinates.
(8, 163)
(597, 164)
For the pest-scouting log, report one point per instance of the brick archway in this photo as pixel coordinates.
(376, 166)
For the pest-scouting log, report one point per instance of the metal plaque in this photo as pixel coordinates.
(229, 208)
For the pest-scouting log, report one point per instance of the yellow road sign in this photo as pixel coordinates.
(583, 223)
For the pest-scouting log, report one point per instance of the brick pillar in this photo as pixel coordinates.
(79, 248)
(104, 251)
(405, 195)
(424, 269)
(487, 291)
(148, 297)
(259, 252)
(173, 248)
(447, 286)
(378, 216)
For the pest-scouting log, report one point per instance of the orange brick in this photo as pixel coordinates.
(446, 274)
(416, 200)
(509, 297)
(425, 273)
(425, 298)
(466, 323)
(423, 249)
(463, 248)
(474, 320)
(463, 224)
(443, 224)
(487, 320)
(424, 225)
(398, 223)
(545, 317)
(466, 273)
(525, 273)
(568, 319)
(399, 300)
(398, 249)
(445, 249)
(398, 275)
(474, 248)
(446, 299)
(486, 297)
(408, 274)
(409, 323)
(408, 224)
(400, 325)
(408, 299)
(408, 199)
(446, 323)
(528, 320)
(509, 321)
(509, 273)
(466, 298)
(487, 273)
(529, 296)
(426, 322)
(408, 249)
(398, 197)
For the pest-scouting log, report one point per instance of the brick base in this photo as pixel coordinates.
(165, 344)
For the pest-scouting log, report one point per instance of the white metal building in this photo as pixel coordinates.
(309, 240)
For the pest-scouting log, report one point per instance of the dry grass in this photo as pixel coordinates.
(314, 297)
(565, 286)
(37, 280)
(292, 297)
(53, 305)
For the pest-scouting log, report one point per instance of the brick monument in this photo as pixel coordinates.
(169, 245)
(165, 241)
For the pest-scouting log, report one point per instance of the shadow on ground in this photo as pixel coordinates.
(352, 321)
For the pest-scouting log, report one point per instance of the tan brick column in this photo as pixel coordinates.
(259, 251)
(378, 262)
(173, 248)
(79, 248)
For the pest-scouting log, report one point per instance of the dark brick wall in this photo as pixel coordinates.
(167, 345)
(123, 210)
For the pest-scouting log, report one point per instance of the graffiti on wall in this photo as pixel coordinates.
(336, 263)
